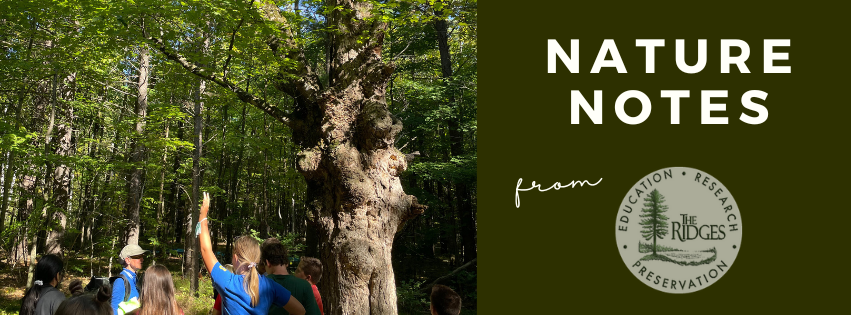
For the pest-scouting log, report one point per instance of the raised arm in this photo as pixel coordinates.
(206, 246)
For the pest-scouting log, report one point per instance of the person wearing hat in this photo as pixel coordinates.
(131, 258)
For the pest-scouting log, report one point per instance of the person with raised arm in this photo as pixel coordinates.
(244, 292)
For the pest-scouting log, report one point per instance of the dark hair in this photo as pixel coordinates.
(76, 287)
(311, 267)
(45, 271)
(88, 304)
(444, 301)
(261, 265)
(275, 253)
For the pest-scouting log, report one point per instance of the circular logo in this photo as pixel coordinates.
(678, 230)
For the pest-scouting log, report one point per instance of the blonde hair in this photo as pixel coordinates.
(247, 251)
(158, 292)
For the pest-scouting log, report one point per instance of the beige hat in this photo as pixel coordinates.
(131, 250)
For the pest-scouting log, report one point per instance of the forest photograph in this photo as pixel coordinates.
(236, 156)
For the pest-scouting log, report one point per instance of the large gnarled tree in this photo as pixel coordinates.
(346, 135)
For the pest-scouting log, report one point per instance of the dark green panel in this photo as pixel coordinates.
(788, 175)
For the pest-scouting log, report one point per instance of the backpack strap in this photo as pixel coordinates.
(126, 288)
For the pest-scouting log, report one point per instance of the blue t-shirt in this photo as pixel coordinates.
(118, 289)
(236, 301)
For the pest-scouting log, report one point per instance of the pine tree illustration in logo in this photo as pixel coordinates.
(654, 224)
(686, 241)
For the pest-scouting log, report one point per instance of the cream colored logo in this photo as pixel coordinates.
(679, 230)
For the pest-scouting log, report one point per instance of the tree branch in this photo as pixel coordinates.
(193, 68)
(303, 82)
(468, 264)
(232, 38)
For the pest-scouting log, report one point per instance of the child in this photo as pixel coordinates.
(158, 293)
(444, 301)
(88, 304)
(310, 269)
(246, 292)
(276, 259)
(43, 296)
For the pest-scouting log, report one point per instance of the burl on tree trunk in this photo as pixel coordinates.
(348, 157)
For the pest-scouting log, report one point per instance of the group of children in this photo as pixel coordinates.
(257, 282)
(123, 297)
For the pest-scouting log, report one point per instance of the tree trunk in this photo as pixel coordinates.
(176, 217)
(221, 203)
(462, 191)
(233, 189)
(196, 186)
(352, 169)
(61, 192)
(161, 201)
(10, 168)
(135, 184)
(26, 207)
(62, 174)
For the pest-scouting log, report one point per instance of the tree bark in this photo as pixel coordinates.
(61, 192)
(192, 241)
(135, 184)
(352, 168)
(62, 174)
(161, 201)
(233, 189)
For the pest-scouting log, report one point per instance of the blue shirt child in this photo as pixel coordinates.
(235, 301)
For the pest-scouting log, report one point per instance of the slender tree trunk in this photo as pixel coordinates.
(462, 191)
(26, 206)
(175, 214)
(233, 191)
(10, 168)
(264, 190)
(160, 201)
(221, 203)
(135, 184)
(196, 185)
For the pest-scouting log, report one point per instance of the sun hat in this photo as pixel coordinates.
(131, 250)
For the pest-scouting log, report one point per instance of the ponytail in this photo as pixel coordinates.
(76, 287)
(247, 250)
(252, 285)
(45, 271)
(31, 299)
(104, 296)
